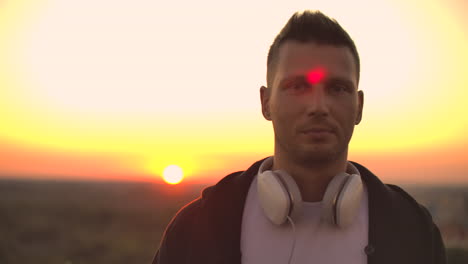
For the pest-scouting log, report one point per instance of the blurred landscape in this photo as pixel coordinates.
(122, 222)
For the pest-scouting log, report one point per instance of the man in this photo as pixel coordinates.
(307, 203)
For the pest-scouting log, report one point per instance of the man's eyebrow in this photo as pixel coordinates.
(342, 80)
(303, 78)
(291, 78)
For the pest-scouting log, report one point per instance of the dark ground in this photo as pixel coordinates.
(108, 222)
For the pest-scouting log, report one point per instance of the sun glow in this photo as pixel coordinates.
(173, 174)
(105, 96)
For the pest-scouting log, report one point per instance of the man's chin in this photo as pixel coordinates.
(318, 154)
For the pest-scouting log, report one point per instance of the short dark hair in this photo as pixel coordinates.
(310, 26)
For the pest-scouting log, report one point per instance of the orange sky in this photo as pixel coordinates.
(445, 165)
(138, 86)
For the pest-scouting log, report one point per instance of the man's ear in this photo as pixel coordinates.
(265, 101)
(360, 106)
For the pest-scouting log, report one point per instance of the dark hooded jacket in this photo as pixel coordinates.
(208, 229)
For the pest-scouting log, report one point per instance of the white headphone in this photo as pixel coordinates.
(280, 197)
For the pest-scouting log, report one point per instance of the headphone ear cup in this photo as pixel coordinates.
(348, 201)
(331, 196)
(279, 196)
(273, 197)
(294, 193)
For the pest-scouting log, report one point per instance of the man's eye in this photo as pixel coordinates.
(338, 88)
(297, 86)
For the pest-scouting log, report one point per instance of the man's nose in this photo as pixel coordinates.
(317, 101)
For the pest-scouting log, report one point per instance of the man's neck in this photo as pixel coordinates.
(311, 180)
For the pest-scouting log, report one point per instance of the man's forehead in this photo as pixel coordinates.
(300, 58)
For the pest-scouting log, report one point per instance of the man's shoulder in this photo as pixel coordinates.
(411, 202)
(197, 219)
(402, 194)
(208, 194)
(229, 190)
(397, 220)
(392, 195)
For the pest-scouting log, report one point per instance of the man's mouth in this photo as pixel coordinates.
(317, 131)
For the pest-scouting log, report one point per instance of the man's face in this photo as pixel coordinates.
(313, 102)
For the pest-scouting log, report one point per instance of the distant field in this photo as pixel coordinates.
(74, 223)
(109, 222)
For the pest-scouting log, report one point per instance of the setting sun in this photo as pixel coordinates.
(173, 174)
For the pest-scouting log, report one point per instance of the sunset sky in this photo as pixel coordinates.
(101, 89)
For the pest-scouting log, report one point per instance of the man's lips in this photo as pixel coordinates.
(318, 131)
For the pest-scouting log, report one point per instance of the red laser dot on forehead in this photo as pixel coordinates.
(315, 75)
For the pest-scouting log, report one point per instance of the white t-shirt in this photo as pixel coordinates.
(316, 241)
